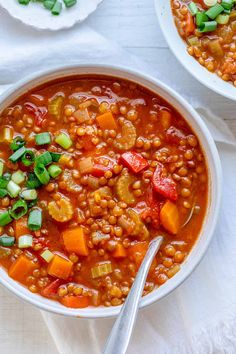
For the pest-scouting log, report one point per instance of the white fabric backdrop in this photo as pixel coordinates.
(197, 318)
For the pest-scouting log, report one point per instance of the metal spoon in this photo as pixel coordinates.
(119, 337)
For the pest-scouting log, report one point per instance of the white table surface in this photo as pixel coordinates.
(133, 25)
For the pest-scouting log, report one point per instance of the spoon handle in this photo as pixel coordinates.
(119, 337)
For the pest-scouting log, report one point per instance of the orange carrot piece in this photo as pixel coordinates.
(120, 251)
(21, 227)
(22, 268)
(189, 27)
(60, 267)
(75, 241)
(169, 217)
(107, 121)
(75, 302)
(137, 252)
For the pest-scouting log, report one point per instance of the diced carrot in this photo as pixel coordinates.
(22, 268)
(137, 252)
(75, 241)
(169, 216)
(60, 267)
(107, 121)
(120, 251)
(75, 302)
(189, 27)
(21, 227)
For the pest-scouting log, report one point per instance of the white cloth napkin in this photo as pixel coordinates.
(200, 316)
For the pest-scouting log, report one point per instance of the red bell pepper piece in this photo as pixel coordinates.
(101, 165)
(51, 289)
(134, 161)
(38, 113)
(164, 185)
(174, 135)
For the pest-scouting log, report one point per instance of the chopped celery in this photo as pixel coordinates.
(101, 269)
(25, 241)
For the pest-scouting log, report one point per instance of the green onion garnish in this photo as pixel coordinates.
(227, 4)
(17, 143)
(18, 177)
(214, 11)
(64, 141)
(208, 26)
(43, 138)
(33, 181)
(41, 173)
(7, 241)
(29, 194)
(193, 8)
(54, 171)
(44, 158)
(200, 18)
(13, 189)
(56, 10)
(70, 3)
(24, 2)
(35, 219)
(3, 182)
(17, 154)
(5, 218)
(48, 4)
(55, 156)
(19, 209)
(28, 158)
(3, 193)
(222, 19)
(1, 168)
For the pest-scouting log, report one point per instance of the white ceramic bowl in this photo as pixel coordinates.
(214, 170)
(179, 49)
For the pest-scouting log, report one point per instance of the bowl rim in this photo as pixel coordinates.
(213, 206)
(178, 47)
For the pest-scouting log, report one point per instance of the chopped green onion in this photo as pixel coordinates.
(19, 209)
(228, 12)
(18, 177)
(3, 193)
(1, 168)
(35, 219)
(24, 2)
(5, 218)
(222, 19)
(48, 4)
(25, 241)
(32, 203)
(70, 3)
(33, 181)
(28, 158)
(17, 143)
(3, 182)
(13, 189)
(208, 26)
(214, 11)
(41, 173)
(200, 18)
(7, 241)
(56, 10)
(47, 255)
(29, 194)
(55, 156)
(210, 3)
(193, 8)
(17, 154)
(43, 138)
(64, 141)
(7, 176)
(227, 4)
(54, 171)
(44, 158)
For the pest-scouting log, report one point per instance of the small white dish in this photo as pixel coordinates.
(178, 47)
(35, 15)
(214, 173)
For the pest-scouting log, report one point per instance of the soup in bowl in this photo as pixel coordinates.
(95, 162)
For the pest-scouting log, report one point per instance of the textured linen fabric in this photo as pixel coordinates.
(200, 316)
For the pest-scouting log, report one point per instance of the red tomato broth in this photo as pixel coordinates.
(102, 214)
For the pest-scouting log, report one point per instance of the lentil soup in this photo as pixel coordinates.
(91, 169)
(209, 29)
